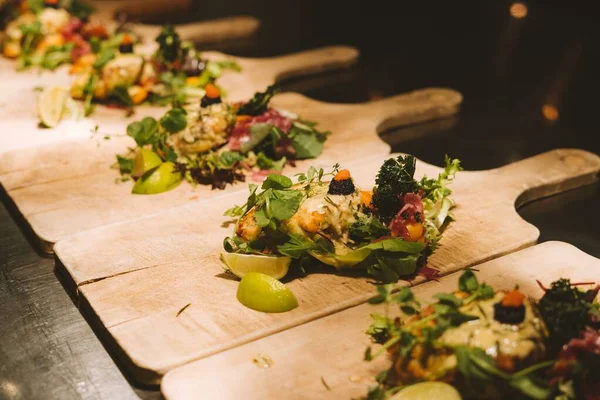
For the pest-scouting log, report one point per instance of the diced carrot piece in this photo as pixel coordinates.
(212, 91)
(138, 94)
(342, 175)
(127, 39)
(513, 298)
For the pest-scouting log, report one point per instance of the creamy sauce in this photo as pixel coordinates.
(207, 129)
(518, 341)
(333, 214)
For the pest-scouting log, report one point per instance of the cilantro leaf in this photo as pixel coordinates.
(277, 181)
(174, 120)
(264, 162)
(306, 141)
(144, 132)
(296, 246)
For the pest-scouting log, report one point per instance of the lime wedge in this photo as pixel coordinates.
(72, 110)
(51, 105)
(242, 264)
(144, 161)
(260, 292)
(160, 179)
(428, 391)
(347, 260)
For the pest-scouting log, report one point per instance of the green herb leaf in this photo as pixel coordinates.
(296, 247)
(276, 181)
(229, 158)
(306, 141)
(258, 133)
(259, 103)
(120, 95)
(468, 282)
(144, 132)
(125, 164)
(367, 228)
(448, 298)
(265, 163)
(103, 58)
(175, 120)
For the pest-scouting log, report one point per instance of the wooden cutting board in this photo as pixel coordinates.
(18, 98)
(132, 278)
(73, 189)
(331, 349)
(233, 27)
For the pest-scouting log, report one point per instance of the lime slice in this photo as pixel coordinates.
(242, 264)
(72, 110)
(347, 260)
(260, 292)
(51, 105)
(160, 179)
(144, 161)
(428, 391)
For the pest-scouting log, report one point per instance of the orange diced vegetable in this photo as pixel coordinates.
(212, 91)
(342, 175)
(513, 298)
(366, 198)
(192, 81)
(415, 232)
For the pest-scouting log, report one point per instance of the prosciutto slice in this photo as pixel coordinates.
(411, 212)
(241, 131)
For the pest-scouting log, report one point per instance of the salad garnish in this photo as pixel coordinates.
(216, 143)
(49, 33)
(175, 74)
(323, 217)
(489, 343)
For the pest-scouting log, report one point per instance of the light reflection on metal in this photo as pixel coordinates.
(550, 112)
(518, 10)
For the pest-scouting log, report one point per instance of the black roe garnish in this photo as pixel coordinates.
(509, 315)
(341, 187)
(208, 101)
(126, 48)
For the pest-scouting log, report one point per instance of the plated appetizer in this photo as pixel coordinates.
(478, 342)
(112, 73)
(212, 142)
(49, 33)
(388, 231)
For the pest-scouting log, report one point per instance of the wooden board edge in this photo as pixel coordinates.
(138, 376)
(41, 246)
(172, 376)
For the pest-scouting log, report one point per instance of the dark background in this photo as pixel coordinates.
(508, 69)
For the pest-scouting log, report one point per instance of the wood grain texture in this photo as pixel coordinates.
(233, 27)
(73, 189)
(18, 100)
(133, 277)
(332, 348)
